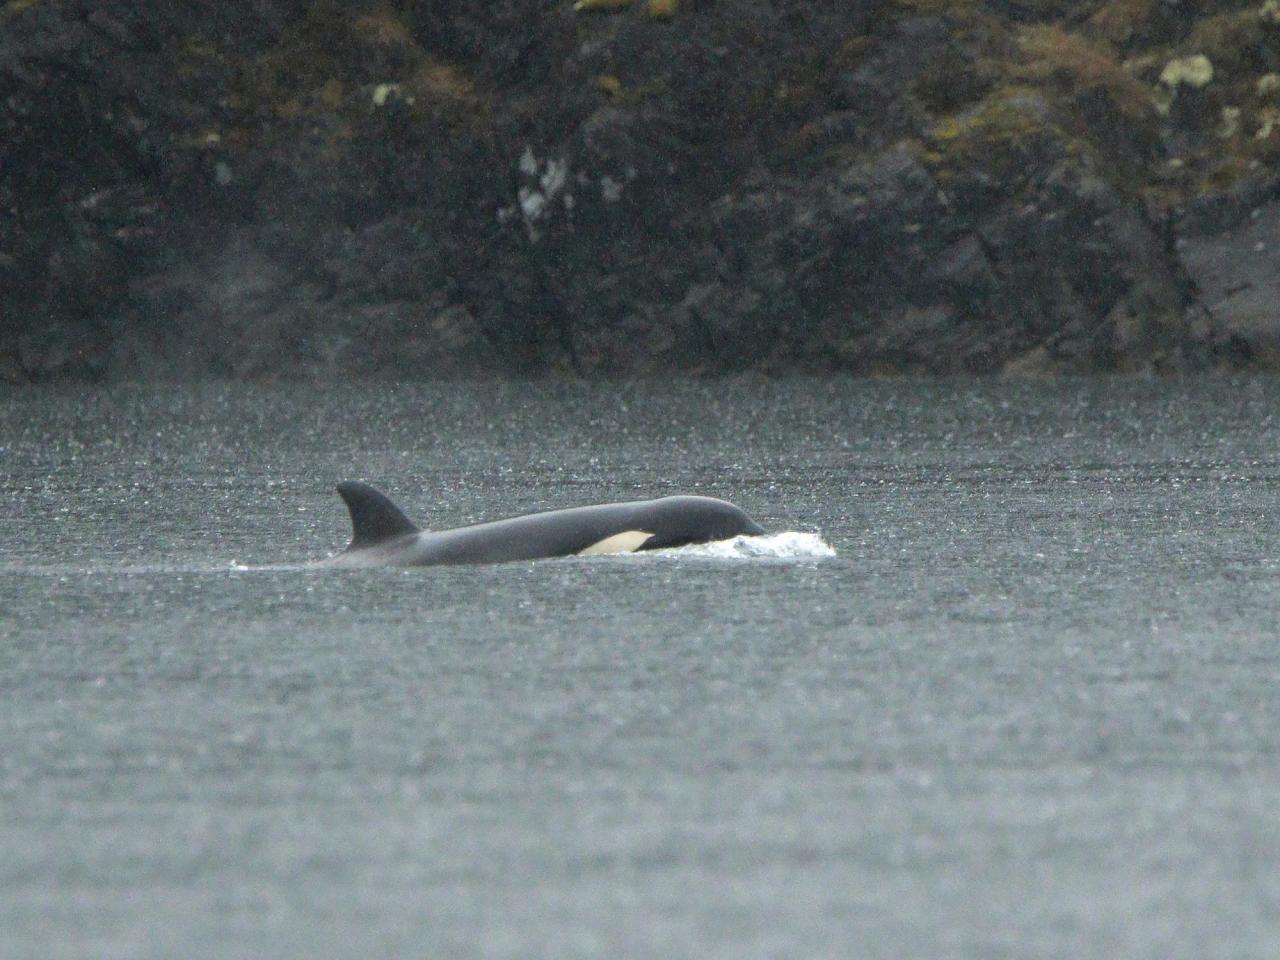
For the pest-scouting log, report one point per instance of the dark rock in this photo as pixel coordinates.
(288, 188)
(1222, 210)
(1237, 280)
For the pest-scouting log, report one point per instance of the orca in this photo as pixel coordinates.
(383, 536)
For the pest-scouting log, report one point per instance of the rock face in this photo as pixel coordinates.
(293, 188)
(1232, 256)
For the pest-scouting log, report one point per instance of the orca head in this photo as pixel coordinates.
(725, 521)
(688, 520)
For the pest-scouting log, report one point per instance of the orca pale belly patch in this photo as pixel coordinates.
(628, 541)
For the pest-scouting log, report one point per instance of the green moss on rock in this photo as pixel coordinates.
(994, 135)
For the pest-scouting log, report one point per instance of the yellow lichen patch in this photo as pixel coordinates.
(610, 86)
(1228, 123)
(1075, 63)
(1268, 84)
(1268, 124)
(384, 92)
(1270, 11)
(662, 9)
(588, 6)
(1194, 71)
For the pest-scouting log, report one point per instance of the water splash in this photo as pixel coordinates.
(788, 545)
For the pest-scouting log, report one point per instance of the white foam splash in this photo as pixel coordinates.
(788, 545)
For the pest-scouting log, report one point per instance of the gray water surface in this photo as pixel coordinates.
(1029, 709)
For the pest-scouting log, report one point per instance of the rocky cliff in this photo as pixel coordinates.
(437, 188)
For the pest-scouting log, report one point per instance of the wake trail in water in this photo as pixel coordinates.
(788, 545)
(142, 569)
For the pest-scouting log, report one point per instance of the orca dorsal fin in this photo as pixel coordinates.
(374, 518)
